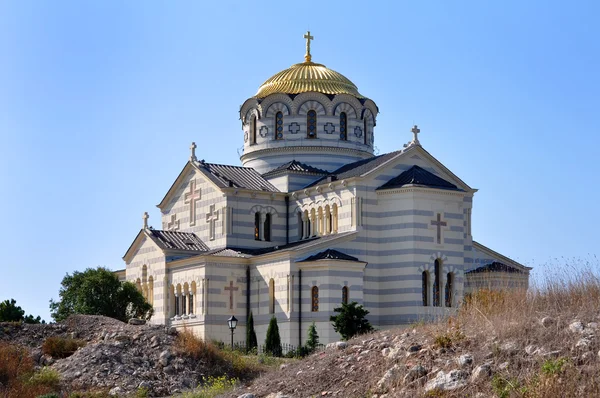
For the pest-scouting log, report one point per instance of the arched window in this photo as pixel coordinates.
(345, 295)
(437, 299)
(279, 126)
(308, 226)
(253, 131)
(272, 296)
(300, 226)
(425, 287)
(311, 124)
(151, 290)
(314, 299)
(267, 226)
(449, 287)
(256, 226)
(366, 131)
(192, 297)
(343, 126)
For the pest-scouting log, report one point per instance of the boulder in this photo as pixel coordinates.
(414, 373)
(481, 372)
(388, 379)
(576, 327)
(465, 360)
(447, 381)
(136, 321)
(547, 321)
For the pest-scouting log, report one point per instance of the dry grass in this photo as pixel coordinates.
(61, 347)
(17, 376)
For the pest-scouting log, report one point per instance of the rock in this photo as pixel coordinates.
(388, 378)
(116, 391)
(531, 349)
(510, 347)
(164, 358)
(386, 351)
(592, 325)
(576, 327)
(283, 366)
(583, 343)
(169, 370)
(503, 366)
(171, 331)
(246, 395)
(340, 345)
(481, 372)
(447, 381)
(465, 360)
(414, 373)
(414, 348)
(136, 321)
(547, 321)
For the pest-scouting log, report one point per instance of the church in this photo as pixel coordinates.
(311, 219)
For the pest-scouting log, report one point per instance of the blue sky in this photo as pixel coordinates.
(99, 102)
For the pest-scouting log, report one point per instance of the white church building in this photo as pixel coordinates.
(311, 219)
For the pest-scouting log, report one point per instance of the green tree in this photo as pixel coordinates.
(11, 312)
(98, 291)
(273, 341)
(313, 338)
(350, 320)
(251, 342)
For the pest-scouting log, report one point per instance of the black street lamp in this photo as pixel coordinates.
(232, 322)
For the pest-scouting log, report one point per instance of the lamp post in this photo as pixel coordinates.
(232, 322)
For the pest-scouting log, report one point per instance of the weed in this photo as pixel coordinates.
(141, 392)
(448, 339)
(61, 347)
(45, 377)
(553, 367)
(212, 387)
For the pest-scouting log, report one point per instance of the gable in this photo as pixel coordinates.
(418, 177)
(182, 181)
(141, 242)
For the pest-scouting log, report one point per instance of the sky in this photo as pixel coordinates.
(99, 102)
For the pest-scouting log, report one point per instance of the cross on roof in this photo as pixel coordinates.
(173, 225)
(193, 157)
(211, 217)
(439, 224)
(308, 37)
(192, 198)
(231, 289)
(145, 217)
(415, 130)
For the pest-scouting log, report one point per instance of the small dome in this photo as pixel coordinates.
(308, 76)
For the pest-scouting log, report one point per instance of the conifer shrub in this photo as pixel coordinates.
(251, 341)
(61, 347)
(313, 338)
(350, 320)
(273, 341)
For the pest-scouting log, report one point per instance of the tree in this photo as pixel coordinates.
(11, 312)
(313, 338)
(251, 342)
(99, 292)
(273, 341)
(351, 320)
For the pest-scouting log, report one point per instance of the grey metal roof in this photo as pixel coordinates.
(358, 168)
(235, 177)
(329, 254)
(295, 167)
(419, 177)
(174, 240)
(495, 267)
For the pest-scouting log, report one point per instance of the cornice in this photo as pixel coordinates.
(286, 149)
(414, 189)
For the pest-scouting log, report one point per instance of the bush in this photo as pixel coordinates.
(46, 377)
(273, 341)
(194, 347)
(313, 338)
(61, 347)
(251, 341)
(17, 376)
(351, 320)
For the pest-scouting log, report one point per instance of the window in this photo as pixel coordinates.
(279, 126)
(345, 295)
(366, 125)
(311, 124)
(449, 287)
(315, 299)
(267, 230)
(425, 287)
(256, 226)
(191, 303)
(272, 296)
(343, 126)
(253, 131)
(436, 285)
(300, 226)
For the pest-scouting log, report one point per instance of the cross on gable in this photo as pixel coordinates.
(145, 218)
(231, 289)
(173, 225)
(211, 217)
(439, 224)
(192, 198)
(415, 130)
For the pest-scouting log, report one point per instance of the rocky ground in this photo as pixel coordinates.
(117, 357)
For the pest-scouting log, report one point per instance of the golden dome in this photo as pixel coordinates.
(308, 76)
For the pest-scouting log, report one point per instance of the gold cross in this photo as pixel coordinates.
(308, 38)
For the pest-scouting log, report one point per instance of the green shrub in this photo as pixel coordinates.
(46, 377)
(313, 338)
(251, 341)
(273, 341)
(61, 347)
(351, 320)
(212, 387)
(553, 367)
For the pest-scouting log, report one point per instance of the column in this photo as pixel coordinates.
(176, 303)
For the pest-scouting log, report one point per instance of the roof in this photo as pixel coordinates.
(417, 176)
(295, 167)
(358, 168)
(330, 254)
(308, 76)
(495, 267)
(173, 240)
(235, 176)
